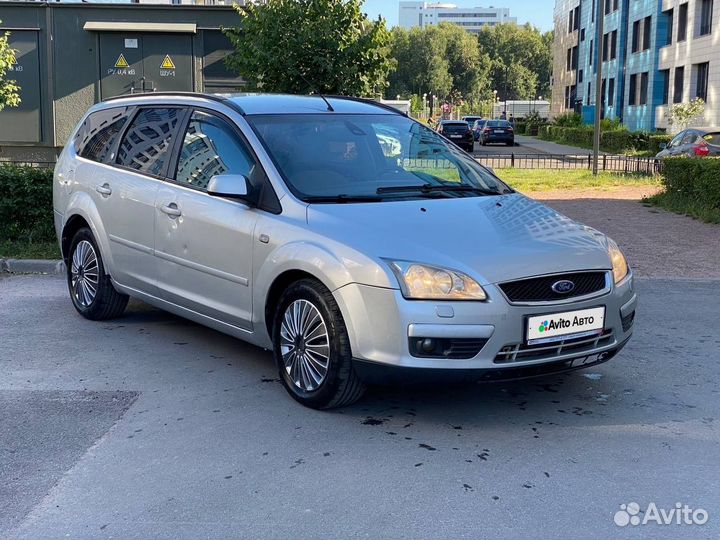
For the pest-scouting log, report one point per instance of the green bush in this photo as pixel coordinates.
(618, 140)
(692, 187)
(26, 211)
(654, 142)
(568, 119)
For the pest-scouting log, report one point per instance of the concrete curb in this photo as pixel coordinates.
(32, 266)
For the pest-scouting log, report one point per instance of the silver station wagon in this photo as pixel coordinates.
(356, 243)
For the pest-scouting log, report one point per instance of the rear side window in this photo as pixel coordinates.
(712, 138)
(147, 142)
(96, 138)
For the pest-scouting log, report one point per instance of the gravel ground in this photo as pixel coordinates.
(657, 243)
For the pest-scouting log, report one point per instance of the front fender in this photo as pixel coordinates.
(81, 204)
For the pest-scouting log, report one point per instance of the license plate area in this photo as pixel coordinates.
(499, 131)
(455, 136)
(563, 325)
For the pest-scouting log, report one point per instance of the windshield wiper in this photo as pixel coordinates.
(427, 188)
(342, 198)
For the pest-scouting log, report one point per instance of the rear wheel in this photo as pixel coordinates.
(91, 290)
(312, 348)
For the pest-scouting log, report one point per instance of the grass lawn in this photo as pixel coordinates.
(26, 250)
(550, 180)
(681, 205)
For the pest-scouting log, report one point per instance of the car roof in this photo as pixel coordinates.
(251, 103)
(453, 122)
(706, 129)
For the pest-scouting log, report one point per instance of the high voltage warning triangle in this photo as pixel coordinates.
(121, 62)
(167, 63)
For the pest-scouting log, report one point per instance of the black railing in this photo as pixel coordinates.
(609, 163)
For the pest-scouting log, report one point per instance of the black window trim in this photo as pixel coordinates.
(177, 149)
(163, 174)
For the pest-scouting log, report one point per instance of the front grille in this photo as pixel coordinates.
(522, 352)
(453, 348)
(628, 320)
(539, 289)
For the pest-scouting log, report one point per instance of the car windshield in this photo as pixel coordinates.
(351, 157)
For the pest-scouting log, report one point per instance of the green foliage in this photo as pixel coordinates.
(692, 186)
(521, 60)
(654, 142)
(609, 124)
(568, 119)
(615, 141)
(330, 43)
(26, 204)
(9, 90)
(443, 61)
(681, 114)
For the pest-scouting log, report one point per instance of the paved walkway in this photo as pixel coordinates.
(657, 243)
(537, 145)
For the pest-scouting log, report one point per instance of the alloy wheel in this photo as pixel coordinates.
(84, 273)
(304, 345)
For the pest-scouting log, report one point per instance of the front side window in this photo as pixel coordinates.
(146, 144)
(96, 138)
(335, 157)
(211, 147)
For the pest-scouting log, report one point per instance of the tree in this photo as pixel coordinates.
(521, 60)
(300, 46)
(681, 114)
(444, 61)
(9, 90)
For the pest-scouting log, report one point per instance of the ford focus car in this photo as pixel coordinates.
(357, 244)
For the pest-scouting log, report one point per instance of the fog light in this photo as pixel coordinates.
(427, 345)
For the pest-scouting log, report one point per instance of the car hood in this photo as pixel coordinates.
(493, 238)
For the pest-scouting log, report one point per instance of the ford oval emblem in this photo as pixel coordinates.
(564, 286)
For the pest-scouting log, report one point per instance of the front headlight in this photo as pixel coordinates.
(424, 282)
(619, 264)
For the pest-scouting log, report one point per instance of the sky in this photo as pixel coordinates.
(537, 12)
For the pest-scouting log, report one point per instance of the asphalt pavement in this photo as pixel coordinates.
(150, 426)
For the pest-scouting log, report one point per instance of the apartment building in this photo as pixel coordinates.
(424, 14)
(652, 52)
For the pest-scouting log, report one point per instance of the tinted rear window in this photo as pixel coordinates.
(498, 123)
(146, 144)
(96, 138)
(712, 138)
(455, 125)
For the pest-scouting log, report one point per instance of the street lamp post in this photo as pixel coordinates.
(600, 18)
(495, 99)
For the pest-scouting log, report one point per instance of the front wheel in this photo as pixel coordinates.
(312, 349)
(91, 290)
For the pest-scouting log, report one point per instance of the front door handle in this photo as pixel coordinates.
(171, 210)
(104, 189)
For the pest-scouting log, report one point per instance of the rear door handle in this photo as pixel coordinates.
(171, 210)
(104, 189)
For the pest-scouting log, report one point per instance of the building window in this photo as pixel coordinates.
(608, 6)
(568, 60)
(636, 37)
(647, 30)
(668, 26)
(611, 92)
(575, 56)
(567, 97)
(644, 88)
(582, 34)
(576, 19)
(591, 52)
(580, 76)
(678, 84)
(701, 80)
(632, 96)
(605, 47)
(706, 12)
(589, 93)
(570, 21)
(682, 22)
(665, 76)
(592, 12)
(613, 45)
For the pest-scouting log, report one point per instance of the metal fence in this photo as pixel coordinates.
(609, 163)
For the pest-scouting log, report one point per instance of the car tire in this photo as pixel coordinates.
(317, 372)
(91, 289)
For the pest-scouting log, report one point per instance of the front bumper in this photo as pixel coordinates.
(381, 324)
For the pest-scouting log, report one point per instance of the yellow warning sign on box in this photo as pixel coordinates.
(121, 62)
(167, 63)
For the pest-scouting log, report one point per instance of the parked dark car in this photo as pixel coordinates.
(693, 142)
(477, 127)
(471, 119)
(459, 132)
(497, 131)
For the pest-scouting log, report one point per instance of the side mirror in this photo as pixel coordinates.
(231, 186)
(663, 146)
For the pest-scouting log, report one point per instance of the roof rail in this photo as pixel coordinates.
(213, 97)
(370, 102)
